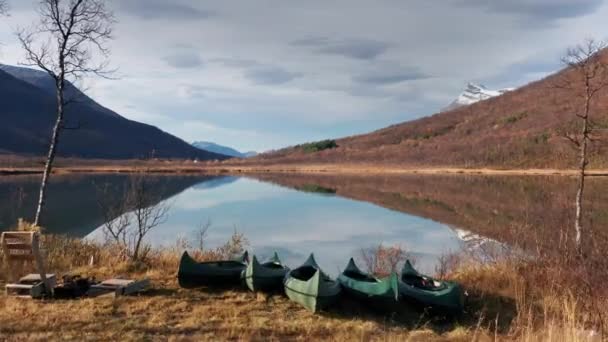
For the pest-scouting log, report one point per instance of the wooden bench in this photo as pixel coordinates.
(119, 287)
(20, 248)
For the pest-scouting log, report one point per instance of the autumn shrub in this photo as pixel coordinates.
(318, 146)
(316, 188)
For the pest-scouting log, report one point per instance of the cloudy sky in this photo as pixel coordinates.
(258, 75)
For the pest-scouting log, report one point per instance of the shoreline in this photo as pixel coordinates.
(303, 169)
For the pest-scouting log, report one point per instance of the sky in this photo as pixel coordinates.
(265, 74)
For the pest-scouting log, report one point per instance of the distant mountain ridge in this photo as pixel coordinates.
(225, 150)
(474, 93)
(520, 129)
(27, 107)
(43, 81)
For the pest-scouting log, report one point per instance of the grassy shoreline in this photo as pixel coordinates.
(168, 312)
(180, 168)
(502, 304)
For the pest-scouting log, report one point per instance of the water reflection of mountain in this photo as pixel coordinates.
(72, 203)
(509, 209)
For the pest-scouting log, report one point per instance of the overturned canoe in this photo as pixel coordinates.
(221, 273)
(310, 287)
(267, 276)
(380, 293)
(443, 296)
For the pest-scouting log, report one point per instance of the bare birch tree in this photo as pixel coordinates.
(588, 77)
(68, 42)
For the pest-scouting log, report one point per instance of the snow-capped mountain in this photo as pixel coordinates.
(227, 151)
(475, 93)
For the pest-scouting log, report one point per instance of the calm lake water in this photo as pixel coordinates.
(333, 216)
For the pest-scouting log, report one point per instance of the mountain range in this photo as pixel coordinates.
(27, 99)
(522, 128)
(474, 93)
(225, 150)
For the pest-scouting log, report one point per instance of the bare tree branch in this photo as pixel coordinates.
(3, 8)
(586, 78)
(129, 219)
(68, 43)
(573, 139)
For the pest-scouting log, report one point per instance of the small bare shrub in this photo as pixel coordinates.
(231, 249)
(447, 264)
(381, 261)
(200, 235)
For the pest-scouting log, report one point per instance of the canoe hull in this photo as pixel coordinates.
(316, 293)
(444, 297)
(265, 284)
(267, 277)
(449, 301)
(195, 280)
(192, 274)
(380, 294)
(311, 302)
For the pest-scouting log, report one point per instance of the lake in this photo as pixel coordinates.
(334, 216)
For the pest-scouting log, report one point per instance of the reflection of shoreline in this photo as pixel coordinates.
(72, 206)
(511, 210)
(383, 170)
(298, 223)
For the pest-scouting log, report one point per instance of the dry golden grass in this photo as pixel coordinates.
(501, 306)
(167, 312)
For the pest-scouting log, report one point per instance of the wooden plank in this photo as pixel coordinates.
(35, 279)
(24, 240)
(99, 290)
(48, 288)
(120, 287)
(26, 237)
(32, 277)
(18, 252)
(3, 242)
(19, 246)
(117, 282)
(20, 257)
(25, 246)
(25, 290)
(135, 287)
(19, 286)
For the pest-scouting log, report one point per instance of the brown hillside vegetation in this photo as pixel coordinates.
(520, 129)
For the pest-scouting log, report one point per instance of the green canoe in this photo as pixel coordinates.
(222, 273)
(309, 286)
(267, 276)
(381, 293)
(442, 296)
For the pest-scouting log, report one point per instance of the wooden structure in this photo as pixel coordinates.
(119, 287)
(19, 248)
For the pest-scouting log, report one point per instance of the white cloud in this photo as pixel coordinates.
(258, 75)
